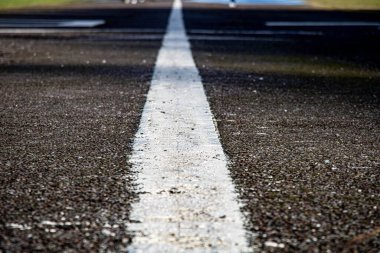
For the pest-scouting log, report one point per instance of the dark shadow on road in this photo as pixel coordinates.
(127, 17)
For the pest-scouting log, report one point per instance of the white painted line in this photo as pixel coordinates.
(28, 20)
(235, 38)
(317, 23)
(82, 23)
(193, 32)
(66, 30)
(49, 23)
(255, 32)
(187, 199)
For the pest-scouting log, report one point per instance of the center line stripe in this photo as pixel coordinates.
(187, 200)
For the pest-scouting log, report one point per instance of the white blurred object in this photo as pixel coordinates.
(133, 1)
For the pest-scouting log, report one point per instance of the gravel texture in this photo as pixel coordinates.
(299, 120)
(68, 113)
(298, 117)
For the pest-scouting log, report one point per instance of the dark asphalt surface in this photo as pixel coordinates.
(67, 123)
(298, 116)
(299, 120)
(69, 109)
(152, 14)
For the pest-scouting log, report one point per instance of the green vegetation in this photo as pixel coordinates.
(347, 4)
(28, 3)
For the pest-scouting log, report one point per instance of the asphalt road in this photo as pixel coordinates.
(297, 108)
(299, 119)
(70, 107)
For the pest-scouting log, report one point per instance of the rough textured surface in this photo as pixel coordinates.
(187, 199)
(68, 114)
(300, 123)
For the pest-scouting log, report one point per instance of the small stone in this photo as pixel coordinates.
(274, 244)
(107, 232)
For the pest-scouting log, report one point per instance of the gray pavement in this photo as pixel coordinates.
(69, 111)
(298, 115)
(301, 130)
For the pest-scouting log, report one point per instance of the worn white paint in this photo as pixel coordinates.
(81, 23)
(92, 36)
(142, 31)
(28, 30)
(236, 38)
(51, 23)
(187, 199)
(254, 32)
(321, 23)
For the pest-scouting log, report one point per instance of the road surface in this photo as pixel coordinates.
(293, 93)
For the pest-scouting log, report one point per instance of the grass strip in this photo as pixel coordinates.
(5, 4)
(347, 4)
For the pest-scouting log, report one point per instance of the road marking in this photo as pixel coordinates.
(66, 30)
(89, 37)
(254, 32)
(34, 23)
(235, 38)
(156, 31)
(317, 23)
(187, 200)
(130, 37)
(81, 23)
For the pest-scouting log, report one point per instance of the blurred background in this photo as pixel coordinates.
(336, 4)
